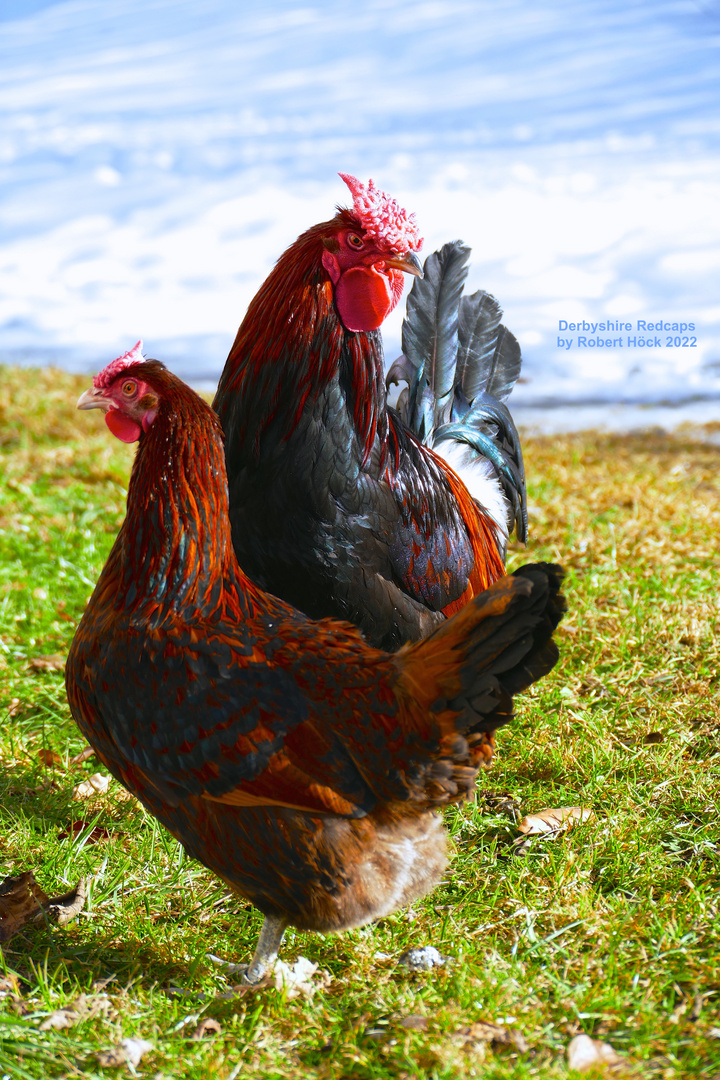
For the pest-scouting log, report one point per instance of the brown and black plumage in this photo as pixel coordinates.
(300, 764)
(340, 505)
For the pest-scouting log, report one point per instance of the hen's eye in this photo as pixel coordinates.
(129, 388)
(354, 240)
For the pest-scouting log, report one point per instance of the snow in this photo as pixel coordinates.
(156, 156)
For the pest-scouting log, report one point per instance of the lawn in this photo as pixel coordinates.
(610, 928)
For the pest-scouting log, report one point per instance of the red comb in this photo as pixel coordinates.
(382, 217)
(106, 376)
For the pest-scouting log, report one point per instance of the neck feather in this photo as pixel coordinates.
(290, 346)
(176, 545)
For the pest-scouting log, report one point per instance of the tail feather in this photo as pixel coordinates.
(456, 687)
(489, 357)
(478, 323)
(430, 332)
(460, 363)
(424, 414)
(489, 429)
(470, 668)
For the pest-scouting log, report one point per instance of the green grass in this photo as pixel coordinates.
(612, 929)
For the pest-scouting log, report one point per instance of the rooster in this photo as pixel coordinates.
(340, 505)
(296, 761)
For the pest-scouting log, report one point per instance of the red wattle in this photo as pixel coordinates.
(122, 426)
(364, 298)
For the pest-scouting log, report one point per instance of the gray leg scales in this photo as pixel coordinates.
(266, 950)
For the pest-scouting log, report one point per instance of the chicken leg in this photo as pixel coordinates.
(266, 950)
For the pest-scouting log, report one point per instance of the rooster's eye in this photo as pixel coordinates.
(354, 240)
(129, 388)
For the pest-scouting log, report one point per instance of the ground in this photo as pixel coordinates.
(609, 928)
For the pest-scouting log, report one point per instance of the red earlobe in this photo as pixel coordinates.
(332, 265)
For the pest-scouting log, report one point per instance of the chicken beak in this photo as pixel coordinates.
(93, 399)
(408, 262)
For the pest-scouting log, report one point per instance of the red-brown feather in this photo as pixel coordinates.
(299, 294)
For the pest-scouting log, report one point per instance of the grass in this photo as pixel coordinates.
(611, 929)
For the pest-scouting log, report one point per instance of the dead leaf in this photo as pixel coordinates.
(49, 759)
(592, 685)
(504, 803)
(136, 1049)
(496, 1034)
(112, 1058)
(654, 738)
(121, 794)
(97, 784)
(9, 986)
(53, 662)
(16, 707)
(44, 785)
(75, 828)
(584, 1054)
(207, 1026)
(21, 901)
(422, 958)
(59, 1020)
(129, 1051)
(84, 755)
(553, 820)
(11, 997)
(414, 1022)
(296, 979)
(83, 1008)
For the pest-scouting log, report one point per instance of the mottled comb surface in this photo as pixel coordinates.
(106, 376)
(382, 217)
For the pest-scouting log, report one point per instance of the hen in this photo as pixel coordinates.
(336, 502)
(290, 757)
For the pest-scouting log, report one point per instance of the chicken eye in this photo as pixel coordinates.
(354, 240)
(129, 388)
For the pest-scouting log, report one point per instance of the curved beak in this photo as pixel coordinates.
(408, 262)
(93, 399)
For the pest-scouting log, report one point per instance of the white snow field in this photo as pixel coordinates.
(156, 156)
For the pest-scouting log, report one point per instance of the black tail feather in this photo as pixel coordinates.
(513, 650)
(460, 363)
(489, 357)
